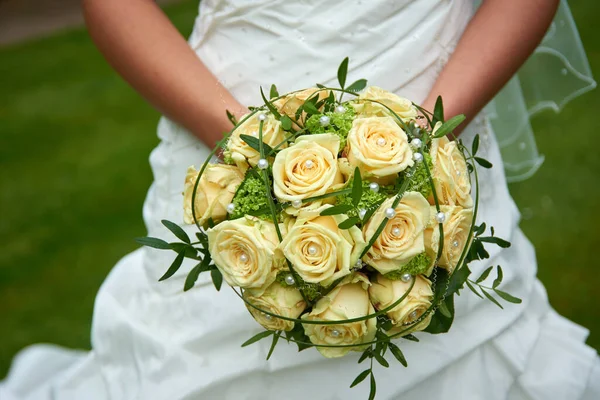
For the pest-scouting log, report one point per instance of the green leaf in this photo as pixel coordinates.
(231, 117)
(475, 146)
(357, 188)
(177, 230)
(491, 298)
(153, 242)
(484, 275)
(357, 86)
(335, 210)
(483, 162)
(174, 266)
(270, 106)
(192, 277)
(286, 122)
(449, 125)
(508, 297)
(365, 354)
(381, 360)
(411, 337)
(499, 277)
(458, 279)
(273, 92)
(474, 290)
(321, 86)
(444, 309)
(495, 240)
(373, 390)
(217, 278)
(398, 354)
(361, 377)
(349, 223)
(257, 337)
(438, 111)
(343, 72)
(254, 142)
(310, 108)
(273, 343)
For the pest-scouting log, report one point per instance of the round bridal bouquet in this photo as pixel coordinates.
(343, 218)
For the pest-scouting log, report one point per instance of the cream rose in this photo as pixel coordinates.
(404, 108)
(378, 146)
(245, 251)
(456, 227)
(348, 300)
(320, 251)
(289, 104)
(215, 191)
(244, 155)
(276, 299)
(385, 292)
(450, 174)
(402, 238)
(308, 168)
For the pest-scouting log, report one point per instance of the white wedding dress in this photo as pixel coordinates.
(153, 341)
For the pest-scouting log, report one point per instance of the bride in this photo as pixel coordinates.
(152, 341)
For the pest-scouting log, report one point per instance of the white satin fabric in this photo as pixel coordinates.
(152, 341)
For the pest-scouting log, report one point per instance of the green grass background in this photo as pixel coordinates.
(74, 146)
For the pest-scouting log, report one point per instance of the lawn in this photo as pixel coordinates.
(74, 145)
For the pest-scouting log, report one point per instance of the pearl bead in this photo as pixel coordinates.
(440, 217)
(263, 164)
(243, 258)
(289, 279)
(324, 120)
(297, 203)
(390, 213)
(381, 142)
(254, 133)
(312, 250)
(458, 173)
(361, 213)
(230, 207)
(309, 164)
(396, 231)
(335, 333)
(413, 315)
(267, 317)
(261, 117)
(406, 278)
(374, 186)
(416, 143)
(358, 264)
(418, 157)
(340, 109)
(455, 243)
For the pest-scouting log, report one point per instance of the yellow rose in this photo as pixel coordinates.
(378, 146)
(456, 226)
(276, 299)
(289, 104)
(402, 239)
(245, 251)
(308, 168)
(450, 174)
(385, 292)
(320, 251)
(404, 108)
(348, 300)
(244, 155)
(215, 191)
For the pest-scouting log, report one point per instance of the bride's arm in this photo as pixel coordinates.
(144, 47)
(497, 41)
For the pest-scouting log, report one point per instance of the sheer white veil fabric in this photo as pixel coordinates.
(556, 73)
